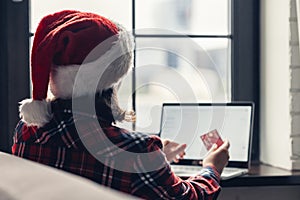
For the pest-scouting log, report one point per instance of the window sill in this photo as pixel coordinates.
(264, 175)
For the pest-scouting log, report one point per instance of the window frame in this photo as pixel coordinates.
(14, 62)
(245, 58)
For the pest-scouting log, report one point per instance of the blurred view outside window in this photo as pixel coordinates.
(183, 50)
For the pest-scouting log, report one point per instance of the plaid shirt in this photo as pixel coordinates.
(58, 144)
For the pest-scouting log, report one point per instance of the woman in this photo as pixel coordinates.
(82, 58)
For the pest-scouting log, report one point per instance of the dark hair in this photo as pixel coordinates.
(107, 106)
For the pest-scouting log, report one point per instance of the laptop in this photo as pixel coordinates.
(186, 122)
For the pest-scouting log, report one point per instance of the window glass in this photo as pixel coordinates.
(185, 16)
(178, 70)
(119, 11)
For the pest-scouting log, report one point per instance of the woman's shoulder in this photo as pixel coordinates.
(137, 141)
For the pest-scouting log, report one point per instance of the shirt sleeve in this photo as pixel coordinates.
(164, 184)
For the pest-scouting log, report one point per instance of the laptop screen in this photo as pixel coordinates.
(185, 123)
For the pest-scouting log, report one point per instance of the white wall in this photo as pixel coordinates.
(275, 143)
(295, 81)
(280, 84)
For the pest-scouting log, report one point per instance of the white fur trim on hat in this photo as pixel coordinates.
(62, 78)
(34, 112)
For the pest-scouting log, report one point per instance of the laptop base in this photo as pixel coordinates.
(187, 171)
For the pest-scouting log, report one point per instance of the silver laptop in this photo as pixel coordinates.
(186, 122)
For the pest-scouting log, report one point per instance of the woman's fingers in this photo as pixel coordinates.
(224, 146)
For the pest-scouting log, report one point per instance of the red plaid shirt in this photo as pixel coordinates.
(58, 144)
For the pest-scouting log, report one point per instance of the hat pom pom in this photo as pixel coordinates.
(35, 112)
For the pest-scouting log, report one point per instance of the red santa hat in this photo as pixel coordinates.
(62, 44)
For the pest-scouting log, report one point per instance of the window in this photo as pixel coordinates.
(116, 10)
(183, 50)
(211, 46)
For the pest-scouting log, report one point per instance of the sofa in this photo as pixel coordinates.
(27, 180)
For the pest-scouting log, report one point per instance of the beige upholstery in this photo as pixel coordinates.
(27, 180)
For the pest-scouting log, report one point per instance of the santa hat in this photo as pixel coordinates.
(62, 44)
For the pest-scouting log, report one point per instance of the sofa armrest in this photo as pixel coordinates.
(24, 179)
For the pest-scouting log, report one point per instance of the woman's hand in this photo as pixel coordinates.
(217, 156)
(173, 150)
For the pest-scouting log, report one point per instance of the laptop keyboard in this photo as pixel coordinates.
(183, 168)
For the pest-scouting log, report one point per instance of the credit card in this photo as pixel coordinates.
(210, 138)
